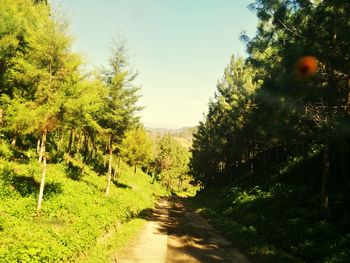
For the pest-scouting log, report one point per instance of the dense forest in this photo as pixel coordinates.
(273, 151)
(73, 152)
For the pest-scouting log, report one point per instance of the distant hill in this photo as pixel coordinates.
(183, 135)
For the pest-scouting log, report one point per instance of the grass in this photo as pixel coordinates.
(241, 232)
(111, 245)
(77, 222)
(275, 227)
(282, 221)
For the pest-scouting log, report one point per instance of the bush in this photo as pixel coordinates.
(5, 150)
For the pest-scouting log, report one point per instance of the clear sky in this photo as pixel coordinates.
(179, 47)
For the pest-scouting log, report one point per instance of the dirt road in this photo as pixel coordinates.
(174, 233)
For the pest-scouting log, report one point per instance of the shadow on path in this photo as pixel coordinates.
(190, 238)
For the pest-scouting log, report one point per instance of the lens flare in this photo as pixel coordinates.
(306, 67)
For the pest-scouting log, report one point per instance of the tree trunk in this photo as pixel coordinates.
(42, 146)
(38, 145)
(109, 174)
(251, 161)
(343, 161)
(115, 172)
(104, 161)
(134, 176)
(91, 154)
(348, 102)
(80, 139)
(179, 185)
(42, 183)
(325, 175)
(14, 139)
(59, 144)
(71, 139)
(86, 149)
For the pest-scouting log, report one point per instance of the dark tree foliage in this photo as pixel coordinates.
(40, 2)
(290, 94)
(280, 120)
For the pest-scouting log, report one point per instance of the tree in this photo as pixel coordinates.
(40, 2)
(136, 148)
(220, 139)
(171, 162)
(37, 67)
(21, 21)
(17, 121)
(17, 72)
(58, 68)
(289, 27)
(287, 109)
(120, 106)
(82, 110)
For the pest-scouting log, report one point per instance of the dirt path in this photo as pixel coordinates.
(176, 234)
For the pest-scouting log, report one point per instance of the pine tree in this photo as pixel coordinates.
(120, 105)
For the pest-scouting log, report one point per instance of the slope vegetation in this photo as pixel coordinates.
(77, 218)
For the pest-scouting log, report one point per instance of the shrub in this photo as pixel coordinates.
(5, 150)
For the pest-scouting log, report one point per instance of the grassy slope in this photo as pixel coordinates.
(272, 230)
(239, 229)
(77, 218)
(278, 223)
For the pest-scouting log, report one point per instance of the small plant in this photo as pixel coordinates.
(5, 150)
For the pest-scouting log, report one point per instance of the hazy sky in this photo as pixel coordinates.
(179, 47)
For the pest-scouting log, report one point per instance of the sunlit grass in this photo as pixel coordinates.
(75, 213)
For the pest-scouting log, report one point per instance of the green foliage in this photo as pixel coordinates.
(225, 123)
(71, 119)
(171, 163)
(274, 225)
(136, 148)
(72, 221)
(119, 109)
(284, 217)
(278, 132)
(18, 117)
(263, 106)
(48, 103)
(5, 150)
(108, 249)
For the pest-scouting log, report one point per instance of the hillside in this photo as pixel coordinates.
(78, 222)
(183, 135)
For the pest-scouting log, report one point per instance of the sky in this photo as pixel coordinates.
(179, 48)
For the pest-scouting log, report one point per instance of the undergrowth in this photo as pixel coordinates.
(75, 213)
(281, 221)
